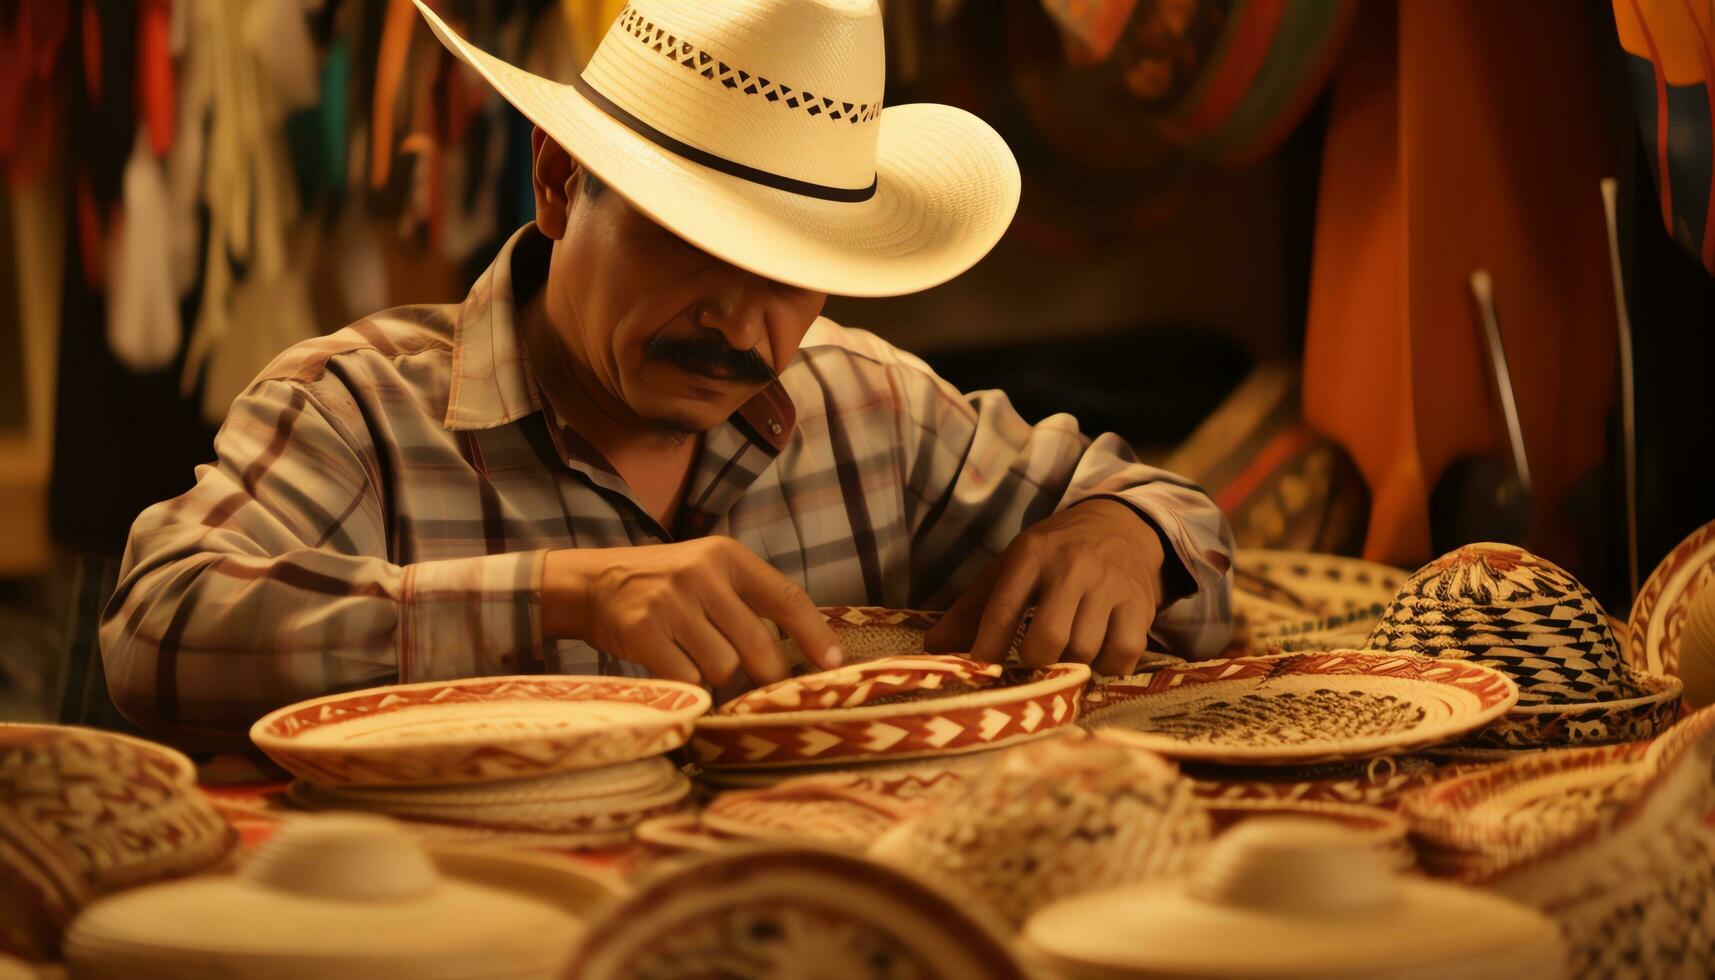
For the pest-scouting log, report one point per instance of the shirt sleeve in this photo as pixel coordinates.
(978, 474)
(270, 581)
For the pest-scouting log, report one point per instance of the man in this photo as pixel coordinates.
(635, 441)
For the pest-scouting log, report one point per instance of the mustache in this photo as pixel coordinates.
(709, 355)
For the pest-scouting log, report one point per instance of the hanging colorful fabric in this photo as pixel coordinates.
(1670, 57)
(1225, 79)
(143, 326)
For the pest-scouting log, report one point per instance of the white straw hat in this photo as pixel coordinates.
(754, 129)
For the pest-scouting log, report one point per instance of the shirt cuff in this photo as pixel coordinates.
(1177, 582)
(471, 617)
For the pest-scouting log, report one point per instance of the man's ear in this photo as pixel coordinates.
(551, 176)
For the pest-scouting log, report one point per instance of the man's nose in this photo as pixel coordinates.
(739, 310)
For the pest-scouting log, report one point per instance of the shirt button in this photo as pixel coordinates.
(774, 426)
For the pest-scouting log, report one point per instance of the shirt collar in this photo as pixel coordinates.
(492, 383)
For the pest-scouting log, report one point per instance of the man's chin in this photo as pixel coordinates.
(677, 417)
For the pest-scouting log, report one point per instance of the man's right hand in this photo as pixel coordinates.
(690, 611)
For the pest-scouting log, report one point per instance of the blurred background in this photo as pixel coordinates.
(1246, 243)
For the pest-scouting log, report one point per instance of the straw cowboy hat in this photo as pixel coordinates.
(754, 129)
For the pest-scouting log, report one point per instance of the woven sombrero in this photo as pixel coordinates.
(1502, 606)
(754, 129)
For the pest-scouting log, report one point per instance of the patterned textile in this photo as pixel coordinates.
(383, 499)
(1227, 79)
(1670, 58)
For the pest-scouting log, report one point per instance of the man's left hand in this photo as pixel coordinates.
(1093, 572)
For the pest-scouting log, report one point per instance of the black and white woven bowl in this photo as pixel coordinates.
(1502, 606)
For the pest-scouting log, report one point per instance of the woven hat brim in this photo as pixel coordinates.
(947, 188)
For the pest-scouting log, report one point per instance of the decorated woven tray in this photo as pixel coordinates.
(1297, 709)
(1285, 601)
(1479, 822)
(1649, 707)
(569, 809)
(84, 813)
(680, 832)
(1377, 782)
(806, 810)
(1316, 585)
(1658, 614)
(906, 719)
(774, 910)
(478, 729)
(881, 681)
(924, 775)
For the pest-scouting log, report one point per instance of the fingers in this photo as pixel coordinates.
(1014, 584)
(1128, 637)
(667, 661)
(716, 659)
(757, 646)
(1051, 628)
(772, 595)
(1089, 629)
(956, 631)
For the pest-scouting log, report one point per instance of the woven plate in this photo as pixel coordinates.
(1649, 711)
(84, 813)
(1298, 709)
(805, 810)
(676, 832)
(478, 729)
(1316, 585)
(551, 805)
(1285, 601)
(1377, 782)
(1023, 706)
(1658, 614)
(883, 680)
(1479, 823)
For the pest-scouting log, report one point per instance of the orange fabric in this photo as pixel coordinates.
(155, 99)
(395, 45)
(1463, 135)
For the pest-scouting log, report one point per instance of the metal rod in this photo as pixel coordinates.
(1482, 291)
(1628, 403)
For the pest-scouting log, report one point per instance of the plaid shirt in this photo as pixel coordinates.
(383, 498)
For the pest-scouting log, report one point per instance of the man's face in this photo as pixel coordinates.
(680, 337)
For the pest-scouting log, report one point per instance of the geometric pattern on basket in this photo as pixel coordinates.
(517, 748)
(1355, 709)
(707, 65)
(1511, 610)
(1052, 820)
(1634, 719)
(1317, 584)
(1371, 782)
(1475, 825)
(84, 813)
(881, 681)
(996, 716)
(805, 810)
(1289, 718)
(765, 911)
(1658, 617)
